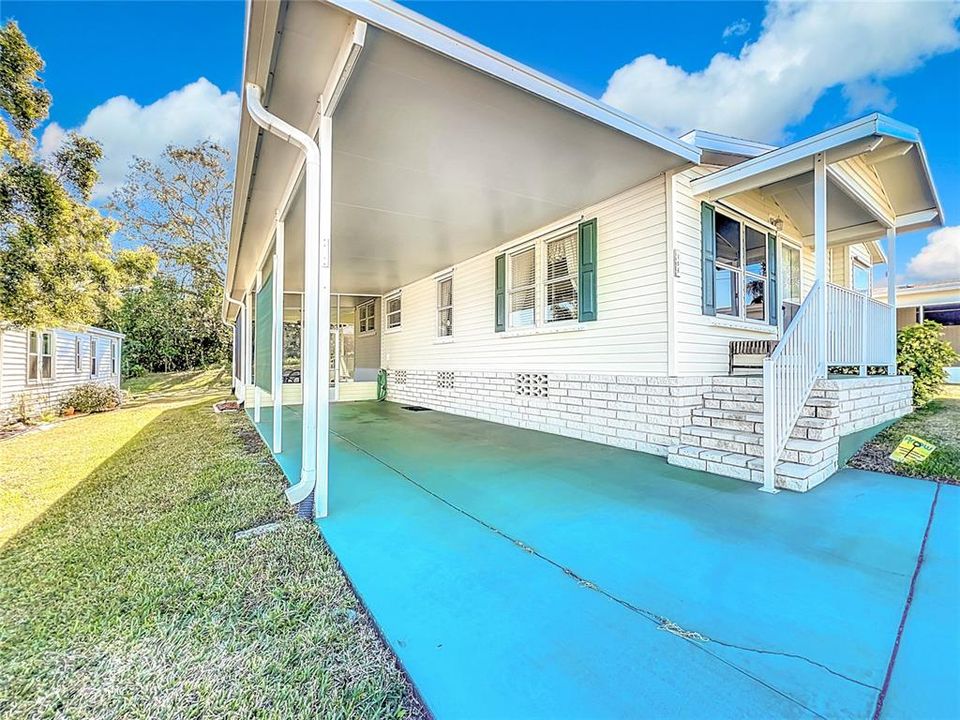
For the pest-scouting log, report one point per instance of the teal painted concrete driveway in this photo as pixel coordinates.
(518, 574)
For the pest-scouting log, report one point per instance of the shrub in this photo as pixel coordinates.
(923, 353)
(92, 397)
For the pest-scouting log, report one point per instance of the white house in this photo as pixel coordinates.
(39, 367)
(510, 249)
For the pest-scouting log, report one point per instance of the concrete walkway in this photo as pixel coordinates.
(519, 574)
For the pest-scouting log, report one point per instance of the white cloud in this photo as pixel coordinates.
(197, 111)
(736, 29)
(939, 259)
(802, 51)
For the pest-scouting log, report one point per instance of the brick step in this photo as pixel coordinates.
(788, 475)
(749, 421)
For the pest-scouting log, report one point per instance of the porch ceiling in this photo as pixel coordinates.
(434, 159)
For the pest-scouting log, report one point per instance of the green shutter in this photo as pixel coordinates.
(708, 234)
(588, 270)
(263, 350)
(500, 294)
(772, 266)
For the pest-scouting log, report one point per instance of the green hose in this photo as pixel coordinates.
(382, 385)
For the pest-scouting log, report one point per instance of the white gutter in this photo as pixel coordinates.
(310, 378)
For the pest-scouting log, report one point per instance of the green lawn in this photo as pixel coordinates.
(178, 382)
(124, 594)
(938, 422)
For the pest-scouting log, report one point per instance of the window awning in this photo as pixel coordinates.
(442, 148)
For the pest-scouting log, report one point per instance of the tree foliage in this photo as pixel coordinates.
(923, 353)
(56, 261)
(179, 207)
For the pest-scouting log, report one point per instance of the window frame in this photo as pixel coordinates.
(370, 319)
(78, 355)
(856, 263)
(448, 337)
(387, 313)
(573, 278)
(741, 274)
(94, 348)
(113, 357)
(519, 250)
(39, 355)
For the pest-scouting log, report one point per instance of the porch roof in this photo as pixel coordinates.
(878, 177)
(442, 148)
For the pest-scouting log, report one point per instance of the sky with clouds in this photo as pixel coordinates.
(773, 72)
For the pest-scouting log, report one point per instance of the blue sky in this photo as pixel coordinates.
(119, 54)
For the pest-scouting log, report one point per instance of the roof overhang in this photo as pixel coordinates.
(878, 177)
(442, 148)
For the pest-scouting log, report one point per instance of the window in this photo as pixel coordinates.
(740, 278)
(77, 356)
(445, 307)
(789, 276)
(39, 355)
(522, 288)
(393, 312)
(561, 279)
(113, 357)
(93, 358)
(366, 317)
(860, 277)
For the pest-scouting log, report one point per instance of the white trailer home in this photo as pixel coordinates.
(516, 251)
(39, 367)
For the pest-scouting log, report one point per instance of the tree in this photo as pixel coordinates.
(56, 259)
(179, 207)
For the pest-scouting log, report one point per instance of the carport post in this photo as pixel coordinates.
(320, 506)
(257, 400)
(277, 365)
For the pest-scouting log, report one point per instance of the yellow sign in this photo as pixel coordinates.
(912, 450)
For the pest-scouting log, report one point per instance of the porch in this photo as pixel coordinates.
(522, 574)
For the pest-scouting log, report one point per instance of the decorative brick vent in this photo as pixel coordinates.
(400, 377)
(532, 385)
(445, 379)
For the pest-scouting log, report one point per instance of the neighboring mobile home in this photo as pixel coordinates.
(513, 250)
(937, 301)
(39, 367)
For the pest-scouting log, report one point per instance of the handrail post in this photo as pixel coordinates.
(769, 431)
(863, 335)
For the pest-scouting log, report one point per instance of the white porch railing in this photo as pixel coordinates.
(788, 376)
(859, 329)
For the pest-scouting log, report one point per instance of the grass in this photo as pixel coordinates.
(179, 382)
(939, 423)
(124, 594)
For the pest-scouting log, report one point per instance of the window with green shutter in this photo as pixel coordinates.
(588, 270)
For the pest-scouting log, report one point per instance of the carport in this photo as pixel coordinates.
(522, 574)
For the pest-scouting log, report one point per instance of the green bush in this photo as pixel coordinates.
(92, 397)
(923, 353)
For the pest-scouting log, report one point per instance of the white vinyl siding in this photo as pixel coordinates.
(44, 394)
(629, 335)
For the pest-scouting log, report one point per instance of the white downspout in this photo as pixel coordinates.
(243, 347)
(313, 267)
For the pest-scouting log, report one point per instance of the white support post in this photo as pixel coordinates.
(322, 440)
(820, 253)
(892, 295)
(257, 392)
(247, 343)
(277, 359)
